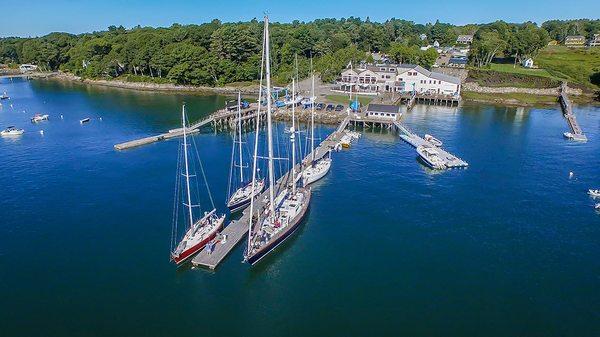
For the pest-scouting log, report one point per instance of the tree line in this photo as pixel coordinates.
(217, 53)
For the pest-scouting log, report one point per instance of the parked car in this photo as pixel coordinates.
(329, 107)
(339, 107)
(320, 106)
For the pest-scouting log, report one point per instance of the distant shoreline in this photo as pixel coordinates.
(468, 96)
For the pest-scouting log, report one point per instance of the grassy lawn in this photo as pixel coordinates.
(508, 98)
(494, 78)
(343, 99)
(574, 64)
(509, 68)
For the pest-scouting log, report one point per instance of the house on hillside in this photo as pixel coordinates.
(594, 41)
(458, 62)
(464, 39)
(423, 37)
(383, 111)
(24, 68)
(401, 78)
(575, 41)
(527, 63)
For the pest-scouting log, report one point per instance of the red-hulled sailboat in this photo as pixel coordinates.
(199, 232)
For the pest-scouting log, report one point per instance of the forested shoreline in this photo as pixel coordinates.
(216, 53)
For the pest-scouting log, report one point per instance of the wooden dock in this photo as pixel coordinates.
(450, 160)
(567, 108)
(222, 118)
(237, 230)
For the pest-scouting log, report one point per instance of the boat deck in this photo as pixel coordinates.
(236, 230)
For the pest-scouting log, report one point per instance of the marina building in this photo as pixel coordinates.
(397, 78)
(386, 111)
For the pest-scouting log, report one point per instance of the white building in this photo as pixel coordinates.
(527, 63)
(384, 111)
(27, 67)
(464, 39)
(400, 78)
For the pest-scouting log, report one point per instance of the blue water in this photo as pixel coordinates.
(507, 247)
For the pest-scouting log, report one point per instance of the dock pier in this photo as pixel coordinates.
(567, 108)
(237, 230)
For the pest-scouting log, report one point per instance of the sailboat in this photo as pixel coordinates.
(317, 169)
(201, 231)
(281, 215)
(240, 198)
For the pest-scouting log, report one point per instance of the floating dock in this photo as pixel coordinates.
(567, 108)
(450, 160)
(236, 230)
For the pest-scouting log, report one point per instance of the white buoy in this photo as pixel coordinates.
(61, 116)
(570, 174)
(42, 132)
(100, 118)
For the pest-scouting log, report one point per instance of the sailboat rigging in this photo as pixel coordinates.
(199, 232)
(282, 215)
(246, 190)
(316, 169)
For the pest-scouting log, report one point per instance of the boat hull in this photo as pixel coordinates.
(268, 248)
(186, 254)
(307, 180)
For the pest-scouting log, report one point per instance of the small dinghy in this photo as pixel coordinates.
(12, 131)
(4, 96)
(38, 118)
(594, 193)
(433, 140)
(85, 120)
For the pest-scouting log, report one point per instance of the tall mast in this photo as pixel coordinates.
(269, 122)
(312, 119)
(293, 136)
(254, 160)
(187, 172)
(240, 136)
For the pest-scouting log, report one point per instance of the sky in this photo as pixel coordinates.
(36, 18)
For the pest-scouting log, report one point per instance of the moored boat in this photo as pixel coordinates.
(594, 193)
(431, 157)
(4, 96)
(434, 141)
(85, 120)
(199, 232)
(38, 118)
(12, 131)
(281, 216)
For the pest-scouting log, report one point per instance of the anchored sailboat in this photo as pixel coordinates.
(317, 169)
(282, 215)
(201, 231)
(240, 198)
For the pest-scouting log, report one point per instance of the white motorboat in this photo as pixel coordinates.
(4, 96)
(434, 141)
(12, 131)
(594, 193)
(38, 118)
(431, 157)
(346, 141)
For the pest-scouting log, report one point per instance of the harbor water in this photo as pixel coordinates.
(506, 247)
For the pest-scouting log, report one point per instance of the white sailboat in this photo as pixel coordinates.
(317, 168)
(240, 198)
(199, 232)
(282, 215)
